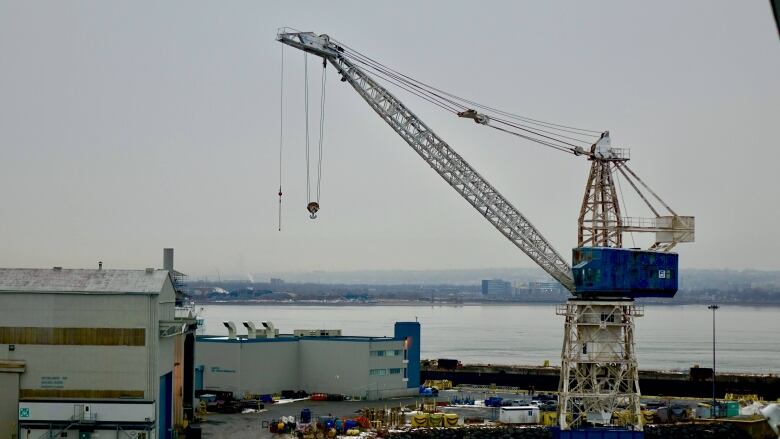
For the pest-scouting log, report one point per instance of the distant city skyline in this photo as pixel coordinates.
(698, 278)
(129, 127)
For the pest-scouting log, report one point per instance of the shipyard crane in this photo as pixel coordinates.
(598, 364)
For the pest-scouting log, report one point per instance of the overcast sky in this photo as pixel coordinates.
(126, 127)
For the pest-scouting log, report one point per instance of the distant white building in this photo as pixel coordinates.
(496, 287)
(92, 352)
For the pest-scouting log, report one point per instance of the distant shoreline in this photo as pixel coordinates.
(455, 305)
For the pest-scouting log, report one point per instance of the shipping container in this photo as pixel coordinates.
(447, 363)
(519, 415)
(619, 272)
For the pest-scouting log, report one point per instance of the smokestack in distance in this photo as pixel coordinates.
(168, 259)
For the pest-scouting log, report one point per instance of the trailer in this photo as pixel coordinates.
(526, 414)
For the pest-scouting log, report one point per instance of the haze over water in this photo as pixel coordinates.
(667, 337)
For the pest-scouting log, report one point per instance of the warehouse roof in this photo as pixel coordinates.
(290, 338)
(60, 280)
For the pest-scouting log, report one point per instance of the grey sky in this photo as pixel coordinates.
(129, 126)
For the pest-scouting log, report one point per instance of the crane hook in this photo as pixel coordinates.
(313, 208)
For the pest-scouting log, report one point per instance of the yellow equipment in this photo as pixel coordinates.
(450, 420)
(439, 384)
(420, 420)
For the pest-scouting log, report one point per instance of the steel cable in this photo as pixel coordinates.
(281, 137)
(535, 131)
(322, 127)
(424, 91)
(306, 111)
(356, 54)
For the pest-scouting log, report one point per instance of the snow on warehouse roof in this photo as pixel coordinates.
(60, 280)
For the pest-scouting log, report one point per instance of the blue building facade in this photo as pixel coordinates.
(409, 332)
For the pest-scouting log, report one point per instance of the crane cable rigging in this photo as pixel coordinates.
(281, 137)
(545, 133)
(313, 205)
(564, 138)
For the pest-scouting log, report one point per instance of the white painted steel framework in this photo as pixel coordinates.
(599, 223)
(599, 374)
(599, 369)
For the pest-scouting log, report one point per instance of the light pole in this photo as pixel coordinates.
(713, 307)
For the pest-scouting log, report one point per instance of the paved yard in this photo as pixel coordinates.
(255, 425)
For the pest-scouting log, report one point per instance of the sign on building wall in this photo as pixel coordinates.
(53, 382)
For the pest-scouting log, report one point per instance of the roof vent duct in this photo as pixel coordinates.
(270, 331)
(251, 332)
(231, 327)
(168, 259)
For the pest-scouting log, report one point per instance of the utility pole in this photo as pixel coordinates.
(713, 307)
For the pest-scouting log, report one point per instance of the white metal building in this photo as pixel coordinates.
(519, 415)
(366, 367)
(91, 351)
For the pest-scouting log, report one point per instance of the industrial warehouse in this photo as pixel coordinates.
(108, 353)
(315, 361)
(94, 351)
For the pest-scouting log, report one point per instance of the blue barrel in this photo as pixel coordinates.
(305, 416)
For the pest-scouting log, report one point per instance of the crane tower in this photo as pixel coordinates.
(599, 372)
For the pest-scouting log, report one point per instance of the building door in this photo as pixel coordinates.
(9, 404)
(165, 406)
(189, 375)
(199, 377)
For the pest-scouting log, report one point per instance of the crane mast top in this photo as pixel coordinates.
(600, 222)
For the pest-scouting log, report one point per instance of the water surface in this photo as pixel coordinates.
(668, 337)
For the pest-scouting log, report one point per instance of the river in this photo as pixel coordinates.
(668, 337)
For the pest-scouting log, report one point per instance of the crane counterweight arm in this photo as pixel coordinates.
(443, 159)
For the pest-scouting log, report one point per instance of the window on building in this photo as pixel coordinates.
(395, 371)
(406, 354)
(377, 372)
(405, 371)
(397, 352)
(377, 353)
